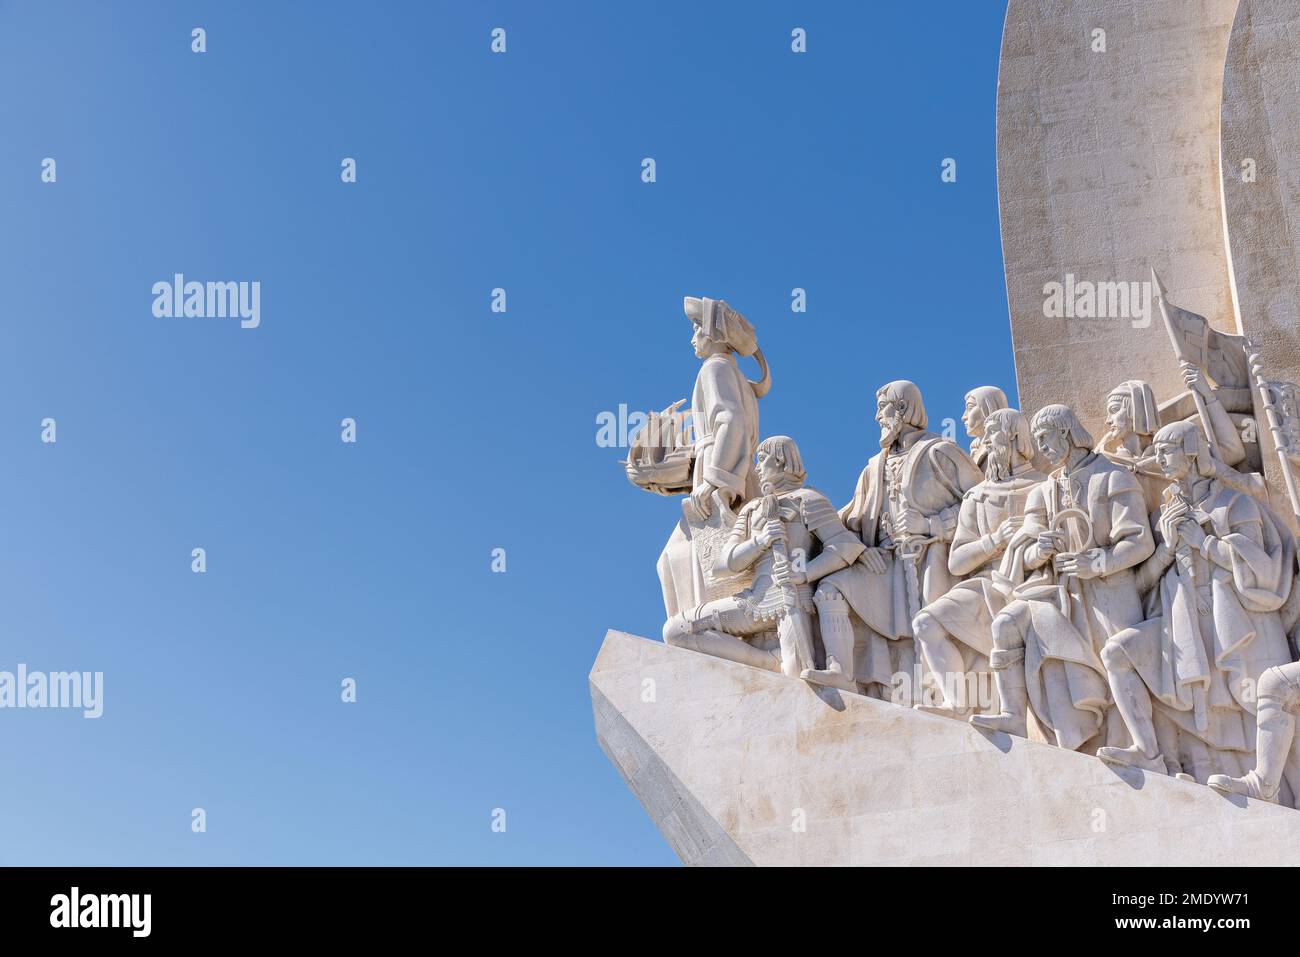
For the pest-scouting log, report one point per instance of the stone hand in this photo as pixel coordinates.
(702, 501)
(913, 523)
(1049, 543)
(1007, 530)
(1085, 565)
(784, 573)
(1172, 522)
(1195, 381)
(1190, 531)
(771, 531)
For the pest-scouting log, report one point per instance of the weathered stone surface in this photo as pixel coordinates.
(1108, 164)
(727, 758)
(687, 827)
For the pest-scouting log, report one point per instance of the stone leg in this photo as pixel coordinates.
(1008, 664)
(1274, 737)
(1274, 740)
(944, 660)
(714, 628)
(1169, 740)
(837, 639)
(1133, 702)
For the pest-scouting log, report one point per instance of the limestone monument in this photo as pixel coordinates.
(981, 402)
(1085, 528)
(1101, 625)
(955, 631)
(1185, 680)
(905, 511)
(771, 538)
(716, 468)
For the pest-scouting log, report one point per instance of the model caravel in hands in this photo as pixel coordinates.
(1133, 597)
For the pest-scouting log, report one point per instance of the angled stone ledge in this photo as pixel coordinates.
(725, 758)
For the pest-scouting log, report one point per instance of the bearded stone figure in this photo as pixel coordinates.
(904, 510)
(1085, 530)
(1184, 680)
(955, 632)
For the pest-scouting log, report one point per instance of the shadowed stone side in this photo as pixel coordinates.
(727, 759)
(1261, 123)
(689, 830)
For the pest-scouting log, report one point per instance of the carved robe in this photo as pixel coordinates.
(966, 611)
(1065, 620)
(1214, 632)
(724, 416)
(1142, 466)
(930, 474)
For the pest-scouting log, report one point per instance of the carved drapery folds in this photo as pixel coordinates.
(1133, 596)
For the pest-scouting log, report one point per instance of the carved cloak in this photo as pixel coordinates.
(1066, 620)
(1211, 662)
(724, 416)
(936, 473)
(966, 610)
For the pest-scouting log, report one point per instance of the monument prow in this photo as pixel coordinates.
(738, 765)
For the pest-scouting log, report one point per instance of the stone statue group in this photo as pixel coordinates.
(1130, 597)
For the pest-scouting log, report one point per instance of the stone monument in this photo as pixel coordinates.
(1105, 630)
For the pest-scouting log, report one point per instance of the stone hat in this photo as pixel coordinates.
(722, 323)
(1141, 403)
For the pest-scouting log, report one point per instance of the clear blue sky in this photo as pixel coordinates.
(475, 430)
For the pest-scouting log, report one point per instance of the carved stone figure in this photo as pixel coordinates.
(904, 509)
(981, 401)
(1277, 752)
(1098, 635)
(1132, 419)
(789, 538)
(1222, 570)
(724, 416)
(1219, 355)
(1085, 529)
(955, 632)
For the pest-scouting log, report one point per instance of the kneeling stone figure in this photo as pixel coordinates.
(1276, 746)
(776, 534)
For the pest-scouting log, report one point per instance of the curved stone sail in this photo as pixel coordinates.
(1078, 642)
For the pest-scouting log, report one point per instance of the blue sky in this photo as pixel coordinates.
(475, 430)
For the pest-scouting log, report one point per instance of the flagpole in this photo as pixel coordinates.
(1177, 342)
(1280, 445)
